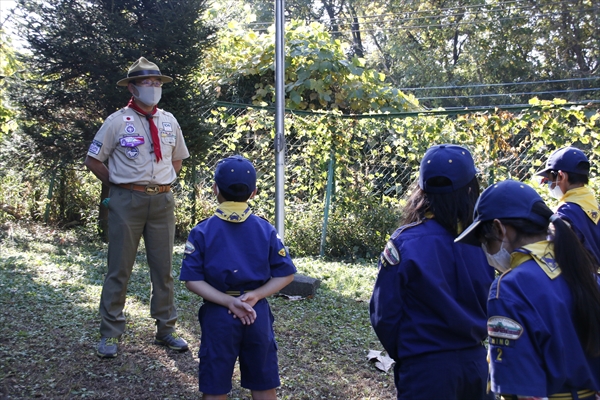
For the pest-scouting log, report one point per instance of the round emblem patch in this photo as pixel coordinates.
(129, 128)
(132, 153)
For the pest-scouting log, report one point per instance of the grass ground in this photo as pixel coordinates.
(50, 283)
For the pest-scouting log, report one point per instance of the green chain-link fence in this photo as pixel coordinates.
(345, 177)
(374, 159)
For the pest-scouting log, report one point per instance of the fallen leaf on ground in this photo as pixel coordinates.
(382, 361)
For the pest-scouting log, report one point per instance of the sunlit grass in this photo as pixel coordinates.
(50, 285)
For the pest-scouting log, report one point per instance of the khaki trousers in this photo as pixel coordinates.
(133, 214)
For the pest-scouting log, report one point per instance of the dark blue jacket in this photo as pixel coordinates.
(430, 294)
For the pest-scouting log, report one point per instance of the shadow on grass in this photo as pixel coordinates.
(49, 329)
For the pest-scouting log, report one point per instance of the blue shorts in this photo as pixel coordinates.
(451, 375)
(225, 338)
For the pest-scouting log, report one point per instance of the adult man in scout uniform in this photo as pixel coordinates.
(144, 148)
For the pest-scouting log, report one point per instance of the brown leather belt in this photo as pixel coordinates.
(148, 189)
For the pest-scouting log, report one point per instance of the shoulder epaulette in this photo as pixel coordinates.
(202, 220)
(500, 281)
(405, 227)
(115, 114)
(165, 112)
(260, 216)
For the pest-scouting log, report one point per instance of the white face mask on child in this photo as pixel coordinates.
(555, 191)
(500, 260)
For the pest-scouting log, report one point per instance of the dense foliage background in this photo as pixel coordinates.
(362, 78)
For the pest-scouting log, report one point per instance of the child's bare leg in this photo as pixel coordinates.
(270, 394)
(214, 396)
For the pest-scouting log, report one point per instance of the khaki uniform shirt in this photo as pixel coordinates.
(125, 141)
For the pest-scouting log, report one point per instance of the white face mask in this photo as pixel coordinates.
(500, 260)
(149, 95)
(555, 192)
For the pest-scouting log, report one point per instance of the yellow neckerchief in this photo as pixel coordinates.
(584, 198)
(459, 228)
(543, 254)
(233, 211)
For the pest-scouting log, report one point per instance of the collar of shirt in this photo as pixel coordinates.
(233, 211)
(584, 198)
(542, 253)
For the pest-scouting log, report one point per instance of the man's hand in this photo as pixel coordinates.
(242, 311)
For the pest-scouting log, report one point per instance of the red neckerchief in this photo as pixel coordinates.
(153, 128)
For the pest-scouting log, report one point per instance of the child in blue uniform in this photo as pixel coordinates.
(567, 174)
(544, 312)
(234, 260)
(428, 306)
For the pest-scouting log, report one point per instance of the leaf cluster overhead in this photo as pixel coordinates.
(318, 73)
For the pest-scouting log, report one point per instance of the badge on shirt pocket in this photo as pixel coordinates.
(167, 138)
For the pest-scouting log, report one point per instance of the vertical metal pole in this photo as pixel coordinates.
(279, 115)
(330, 174)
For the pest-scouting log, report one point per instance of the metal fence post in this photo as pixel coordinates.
(329, 190)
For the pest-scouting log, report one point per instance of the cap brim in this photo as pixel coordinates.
(163, 79)
(468, 236)
(543, 172)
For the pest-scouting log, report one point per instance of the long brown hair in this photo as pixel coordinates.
(450, 210)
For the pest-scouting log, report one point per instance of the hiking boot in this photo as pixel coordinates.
(172, 341)
(107, 348)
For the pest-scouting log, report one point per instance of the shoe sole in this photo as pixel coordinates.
(102, 355)
(162, 343)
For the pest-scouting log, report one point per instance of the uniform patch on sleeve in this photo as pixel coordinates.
(282, 252)
(391, 254)
(189, 248)
(95, 147)
(505, 328)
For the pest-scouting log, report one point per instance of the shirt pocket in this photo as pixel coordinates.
(167, 144)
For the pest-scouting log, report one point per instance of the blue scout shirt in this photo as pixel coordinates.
(234, 250)
(534, 348)
(580, 208)
(430, 294)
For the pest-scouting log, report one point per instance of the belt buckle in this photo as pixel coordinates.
(152, 189)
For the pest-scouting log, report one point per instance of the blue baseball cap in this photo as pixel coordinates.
(449, 161)
(235, 170)
(567, 159)
(502, 200)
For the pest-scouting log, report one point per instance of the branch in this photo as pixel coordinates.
(11, 211)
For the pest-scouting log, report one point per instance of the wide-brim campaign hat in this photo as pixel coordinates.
(143, 68)
(508, 199)
(567, 159)
(449, 161)
(235, 170)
